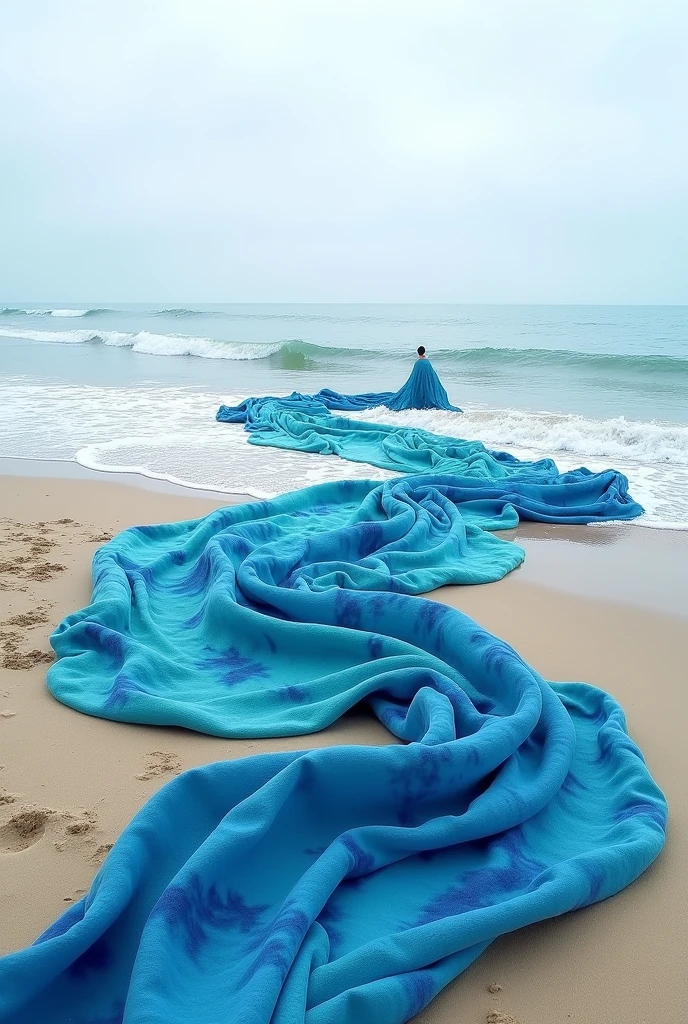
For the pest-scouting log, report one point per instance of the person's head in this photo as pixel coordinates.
(421, 350)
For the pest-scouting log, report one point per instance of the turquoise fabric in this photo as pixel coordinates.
(321, 404)
(301, 423)
(423, 390)
(342, 885)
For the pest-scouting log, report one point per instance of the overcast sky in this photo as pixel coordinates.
(478, 151)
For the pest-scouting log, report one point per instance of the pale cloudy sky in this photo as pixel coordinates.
(458, 151)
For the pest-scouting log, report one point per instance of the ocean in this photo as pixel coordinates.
(135, 388)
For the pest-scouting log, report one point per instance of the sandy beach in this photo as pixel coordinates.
(608, 606)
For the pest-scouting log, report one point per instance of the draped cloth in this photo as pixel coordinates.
(304, 423)
(346, 884)
(422, 390)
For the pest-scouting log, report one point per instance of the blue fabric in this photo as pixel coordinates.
(423, 390)
(342, 885)
(249, 410)
(299, 423)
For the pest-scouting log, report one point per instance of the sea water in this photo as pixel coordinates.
(136, 387)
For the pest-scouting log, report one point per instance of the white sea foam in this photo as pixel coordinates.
(165, 433)
(222, 460)
(551, 434)
(171, 433)
(148, 342)
(78, 337)
(13, 311)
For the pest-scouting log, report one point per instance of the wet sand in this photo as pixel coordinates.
(608, 606)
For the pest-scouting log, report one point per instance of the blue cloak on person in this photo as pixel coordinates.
(423, 390)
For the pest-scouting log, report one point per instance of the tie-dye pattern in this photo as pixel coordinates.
(342, 885)
(304, 423)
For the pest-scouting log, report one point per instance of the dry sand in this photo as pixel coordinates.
(70, 783)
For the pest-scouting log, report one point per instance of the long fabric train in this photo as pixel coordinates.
(304, 423)
(422, 390)
(344, 885)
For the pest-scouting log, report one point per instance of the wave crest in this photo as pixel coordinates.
(288, 355)
(555, 434)
(58, 312)
(295, 354)
(542, 358)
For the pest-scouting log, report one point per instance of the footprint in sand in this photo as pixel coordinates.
(6, 798)
(44, 571)
(10, 641)
(22, 830)
(101, 852)
(497, 1017)
(69, 830)
(36, 617)
(78, 893)
(18, 660)
(160, 762)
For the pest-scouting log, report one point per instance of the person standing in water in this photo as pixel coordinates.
(423, 389)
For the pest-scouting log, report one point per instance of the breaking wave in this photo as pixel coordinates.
(59, 312)
(295, 352)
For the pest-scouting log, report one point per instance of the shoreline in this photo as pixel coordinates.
(63, 469)
(604, 606)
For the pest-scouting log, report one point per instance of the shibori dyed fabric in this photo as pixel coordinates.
(343, 885)
(422, 390)
(304, 423)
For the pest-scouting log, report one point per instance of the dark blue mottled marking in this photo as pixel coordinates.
(195, 620)
(348, 609)
(362, 861)
(194, 910)
(134, 572)
(645, 808)
(415, 782)
(234, 667)
(295, 694)
(308, 513)
(516, 871)
(239, 546)
(107, 640)
(431, 615)
(370, 537)
(275, 944)
(122, 689)
(146, 531)
(198, 580)
(420, 987)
